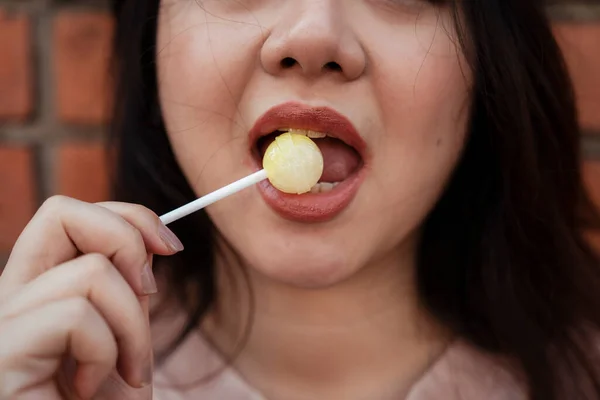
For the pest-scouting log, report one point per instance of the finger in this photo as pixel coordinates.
(145, 300)
(155, 234)
(92, 276)
(145, 306)
(114, 388)
(32, 346)
(64, 227)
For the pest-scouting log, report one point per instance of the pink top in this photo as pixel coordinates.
(461, 373)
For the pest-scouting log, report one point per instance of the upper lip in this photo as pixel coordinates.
(294, 115)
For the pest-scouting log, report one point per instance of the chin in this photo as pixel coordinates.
(301, 268)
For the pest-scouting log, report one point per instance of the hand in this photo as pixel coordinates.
(75, 288)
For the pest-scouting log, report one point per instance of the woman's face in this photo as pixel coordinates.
(383, 78)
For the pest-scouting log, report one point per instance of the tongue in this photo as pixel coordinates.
(339, 159)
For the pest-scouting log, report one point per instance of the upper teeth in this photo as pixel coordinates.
(305, 132)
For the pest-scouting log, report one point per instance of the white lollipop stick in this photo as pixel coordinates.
(213, 197)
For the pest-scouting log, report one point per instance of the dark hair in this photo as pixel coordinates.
(503, 260)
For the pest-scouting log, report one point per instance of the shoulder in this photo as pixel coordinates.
(465, 373)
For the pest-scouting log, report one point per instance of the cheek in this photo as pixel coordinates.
(426, 118)
(421, 79)
(201, 81)
(423, 89)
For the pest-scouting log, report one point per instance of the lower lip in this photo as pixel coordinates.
(313, 207)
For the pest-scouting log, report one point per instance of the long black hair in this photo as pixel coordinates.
(503, 261)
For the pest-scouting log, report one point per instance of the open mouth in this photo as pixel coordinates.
(344, 161)
(340, 160)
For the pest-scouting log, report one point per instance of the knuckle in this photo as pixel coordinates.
(134, 237)
(128, 208)
(77, 310)
(140, 209)
(98, 265)
(135, 241)
(54, 203)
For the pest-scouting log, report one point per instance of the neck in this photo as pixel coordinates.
(367, 337)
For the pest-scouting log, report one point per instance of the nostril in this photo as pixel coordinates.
(333, 66)
(288, 62)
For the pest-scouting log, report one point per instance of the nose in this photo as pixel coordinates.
(312, 38)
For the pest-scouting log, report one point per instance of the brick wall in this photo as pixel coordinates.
(54, 100)
(53, 106)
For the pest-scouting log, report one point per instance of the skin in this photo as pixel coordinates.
(340, 314)
(219, 71)
(350, 299)
(91, 309)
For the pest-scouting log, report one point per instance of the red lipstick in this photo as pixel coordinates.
(309, 207)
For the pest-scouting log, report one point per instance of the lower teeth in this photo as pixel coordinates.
(323, 187)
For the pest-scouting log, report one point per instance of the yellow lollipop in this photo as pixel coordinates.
(294, 163)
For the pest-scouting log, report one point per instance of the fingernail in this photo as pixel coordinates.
(148, 281)
(147, 375)
(169, 238)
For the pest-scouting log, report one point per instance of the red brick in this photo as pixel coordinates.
(591, 175)
(17, 193)
(15, 67)
(82, 44)
(82, 172)
(581, 47)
